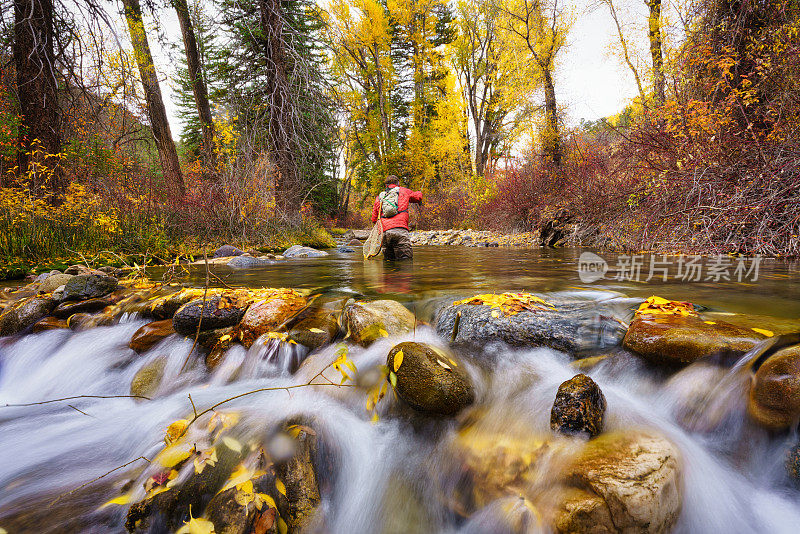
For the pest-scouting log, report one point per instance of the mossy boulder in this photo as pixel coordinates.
(53, 282)
(366, 322)
(676, 341)
(429, 379)
(579, 408)
(147, 379)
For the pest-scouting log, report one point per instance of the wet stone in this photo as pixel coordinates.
(67, 308)
(208, 316)
(579, 407)
(774, 397)
(429, 379)
(226, 251)
(89, 286)
(49, 323)
(367, 322)
(24, 313)
(150, 334)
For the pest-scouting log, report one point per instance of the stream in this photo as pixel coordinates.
(396, 474)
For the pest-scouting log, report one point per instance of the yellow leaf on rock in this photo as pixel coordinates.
(768, 333)
(176, 430)
(509, 303)
(244, 493)
(282, 528)
(398, 360)
(241, 475)
(175, 454)
(316, 330)
(280, 487)
(122, 500)
(197, 525)
(710, 322)
(661, 306)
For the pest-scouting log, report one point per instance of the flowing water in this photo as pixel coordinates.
(391, 475)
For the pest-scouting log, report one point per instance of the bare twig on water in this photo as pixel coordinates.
(78, 397)
(97, 478)
(202, 313)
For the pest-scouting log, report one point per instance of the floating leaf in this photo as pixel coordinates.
(382, 332)
(768, 333)
(398, 360)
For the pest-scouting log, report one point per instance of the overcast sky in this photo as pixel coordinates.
(591, 83)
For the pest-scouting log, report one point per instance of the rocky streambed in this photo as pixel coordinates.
(149, 406)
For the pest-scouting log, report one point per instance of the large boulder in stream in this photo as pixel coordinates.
(774, 396)
(248, 262)
(89, 286)
(208, 315)
(579, 408)
(150, 334)
(429, 379)
(567, 325)
(268, 313)
(68, 308)
(676, 341)
(625, 482)
(366, 322)
(147, 379)
(25, 313)
(618, 482)
(316, 330)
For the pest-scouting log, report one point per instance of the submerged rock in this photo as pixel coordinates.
(579, 407)
(150, 334)
(208, 316)
(774, 397)
(680, 340)
(269, 313)
(793, 464)
(25, 313)
(366, 322)
(147, 379)
(89, 286)
(226, 251)
(430, 380)
(299, 251)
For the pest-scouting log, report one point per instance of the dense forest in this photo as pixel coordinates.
(294, 111)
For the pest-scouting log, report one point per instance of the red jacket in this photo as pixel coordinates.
(401, 219)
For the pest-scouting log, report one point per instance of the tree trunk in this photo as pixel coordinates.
(551, 137)
(37, 90)
(655, 49)
(155, 103)
(281, 136)
(198, 85)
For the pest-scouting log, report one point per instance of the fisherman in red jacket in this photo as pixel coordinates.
(391, 207)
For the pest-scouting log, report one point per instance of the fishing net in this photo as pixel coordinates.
(373, 244)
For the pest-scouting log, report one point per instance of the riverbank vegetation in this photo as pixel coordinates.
(293, 112)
